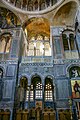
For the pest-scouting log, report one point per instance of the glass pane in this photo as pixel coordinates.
(39, 38)
(31, 95)
(38, 94)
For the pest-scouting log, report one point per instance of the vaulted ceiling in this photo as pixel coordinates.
(37, 26)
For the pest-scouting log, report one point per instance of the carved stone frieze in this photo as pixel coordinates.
(38, 64)
(6, 105)
(66, 61)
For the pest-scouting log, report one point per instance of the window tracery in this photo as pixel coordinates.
(39, 46)
(33, 5)
(36, 89)
(48, 90)
(69, 44)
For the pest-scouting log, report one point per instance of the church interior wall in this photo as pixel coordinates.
(60, 68)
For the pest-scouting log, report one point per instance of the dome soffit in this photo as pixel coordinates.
(47, 8)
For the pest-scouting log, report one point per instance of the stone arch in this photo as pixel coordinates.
(37, 80)
(50, 76)
(69, 67)
(21, 78)
(37, 22)
(33, 28)
(36, 87)
(36, 74)
(65, 10)
(22, 92)
(3, 33)
(49, 90)
(5, 42)
(77, 20)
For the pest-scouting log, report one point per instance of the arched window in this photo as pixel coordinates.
(39, 46)
(30, 5)
(48, 89)
(72, 42)
(65, 42)
(36, 88)
(47, 3)
(39, 90)
(42, 5)
(23, 91)
(69, 44)
(36, 5)
(5, 43)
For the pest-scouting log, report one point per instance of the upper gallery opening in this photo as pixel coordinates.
(37, 31)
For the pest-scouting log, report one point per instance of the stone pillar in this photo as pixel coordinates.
(57, 42)
(51, 41)
(15, 46)
(29, 98)
(43, 100)
(11, 114)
